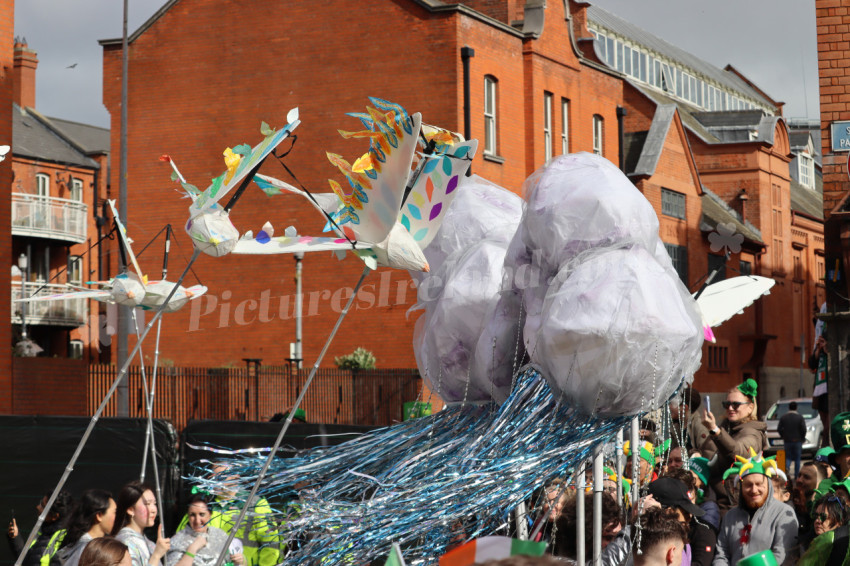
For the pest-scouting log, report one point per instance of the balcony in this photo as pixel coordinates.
(67, 312)
(48, 217)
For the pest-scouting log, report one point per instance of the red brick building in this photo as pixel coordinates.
(833, 32)
(7, 25)
(58, 189)
(697, 139)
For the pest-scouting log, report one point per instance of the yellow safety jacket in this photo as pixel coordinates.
(261, 545)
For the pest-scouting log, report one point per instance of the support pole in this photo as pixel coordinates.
(121, 374)
(635, 448)
(123, 312)
(249, 502)
(521, 524)
(580, 526)
(150, 440)
(299, 301)
(618, 458)
(597, 506)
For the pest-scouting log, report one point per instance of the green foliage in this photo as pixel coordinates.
(361, 358)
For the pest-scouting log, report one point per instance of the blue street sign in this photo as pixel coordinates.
(840, 136)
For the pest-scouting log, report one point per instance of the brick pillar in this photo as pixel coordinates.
(7, 25)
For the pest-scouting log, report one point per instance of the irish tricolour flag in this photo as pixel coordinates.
(491, 548)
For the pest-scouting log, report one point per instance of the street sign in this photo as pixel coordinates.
(840, 136)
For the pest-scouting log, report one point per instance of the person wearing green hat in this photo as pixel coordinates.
(740, 432)
(759, 522)
(706, 498)
(839, 433)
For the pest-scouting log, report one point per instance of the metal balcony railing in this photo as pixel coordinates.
(48, 217)
(65, 312)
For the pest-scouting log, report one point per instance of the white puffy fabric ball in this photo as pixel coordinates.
(617, 334)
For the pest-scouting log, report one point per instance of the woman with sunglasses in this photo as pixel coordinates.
(735, 436)
(830, 514)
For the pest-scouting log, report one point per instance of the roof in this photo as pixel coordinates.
(739, 125)
(685, 112)
(654, 142)
(536, 7)
(35, 137)
(91, 139)
(808, 201)
(715, 211)
(727, 79)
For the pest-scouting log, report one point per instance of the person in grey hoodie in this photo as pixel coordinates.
(759, 521)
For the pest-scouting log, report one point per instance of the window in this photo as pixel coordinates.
(745, 267)
(717, 262)
(679, 257)
(490, 115)
(42, 185)
(627, 60)
(547, 126)
(778, 258)
(75, 270)
(597, 134)
(806, 170)
(718, 357)
(565, 126)
(77, 190)
(798, 265)
(75, 349)
(610, 51)
(672, 204)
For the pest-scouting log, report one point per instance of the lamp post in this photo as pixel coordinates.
(23, 264)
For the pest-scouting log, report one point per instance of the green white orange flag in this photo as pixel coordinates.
(491, 548)
(395, 558)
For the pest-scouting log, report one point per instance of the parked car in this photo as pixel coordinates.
(814, 426)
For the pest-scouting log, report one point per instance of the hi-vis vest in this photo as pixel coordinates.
(260, 546)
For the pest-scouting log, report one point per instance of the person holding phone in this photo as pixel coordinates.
(740, 431)
(46, 544)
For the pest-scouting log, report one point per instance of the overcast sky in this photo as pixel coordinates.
(772, 42)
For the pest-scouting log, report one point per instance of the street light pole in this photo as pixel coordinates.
(23, 265)
(299, 354)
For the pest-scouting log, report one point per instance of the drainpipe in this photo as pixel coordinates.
(467, 53)
(621, 134)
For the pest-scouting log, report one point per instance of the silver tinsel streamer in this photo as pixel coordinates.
(427, 484)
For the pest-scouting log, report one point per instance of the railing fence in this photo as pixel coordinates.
(358, 397)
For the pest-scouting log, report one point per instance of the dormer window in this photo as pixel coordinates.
(806, 170)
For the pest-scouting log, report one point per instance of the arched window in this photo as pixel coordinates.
(598, 124)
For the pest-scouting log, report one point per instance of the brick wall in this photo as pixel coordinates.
(7, 25)
(49, 386)
(271, 68)
(833, 31)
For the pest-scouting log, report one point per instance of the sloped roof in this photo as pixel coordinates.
(739, 125)
(34, 138)
(654, 43)
(90, 138)
(685, 112)
(654, 144)
(715, 211)
(808, 201)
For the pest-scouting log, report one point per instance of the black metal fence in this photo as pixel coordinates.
(355, 397)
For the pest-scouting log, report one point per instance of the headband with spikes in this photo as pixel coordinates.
(755, 464)
(648, 452)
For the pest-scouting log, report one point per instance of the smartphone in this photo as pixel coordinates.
(707, 404)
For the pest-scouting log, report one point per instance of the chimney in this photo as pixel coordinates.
(23, 79)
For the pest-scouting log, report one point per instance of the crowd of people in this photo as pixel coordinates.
(99, 530)
(711, 497)
(705, 497)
